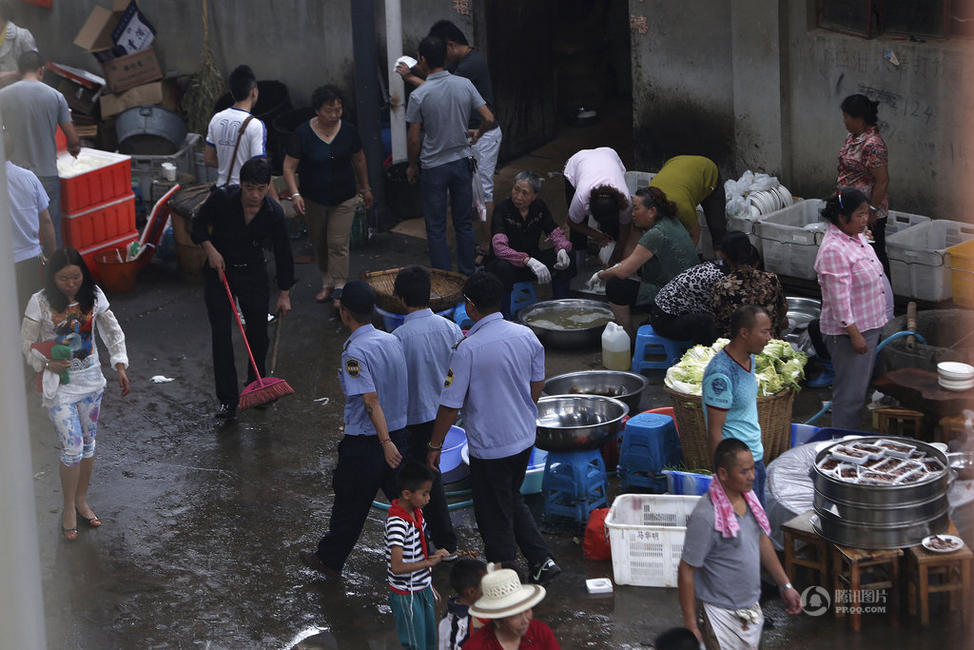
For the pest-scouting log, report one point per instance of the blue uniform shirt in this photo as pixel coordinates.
(427, 341)
(729, 387)
(490, 377)
(373, 362)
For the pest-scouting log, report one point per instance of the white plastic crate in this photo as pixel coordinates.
(646, 534)
(787, 246)
(639, 180)
(918, 259)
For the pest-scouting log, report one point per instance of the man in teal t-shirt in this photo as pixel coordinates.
(730, 388)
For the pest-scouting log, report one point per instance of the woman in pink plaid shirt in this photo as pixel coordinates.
(856, 302)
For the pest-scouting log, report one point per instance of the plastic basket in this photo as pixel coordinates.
(687, 482)
(148, 168)
(918, 258)
(787, 246)
(646, 534)
(962, 273)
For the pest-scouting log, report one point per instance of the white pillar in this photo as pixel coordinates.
(397, 94)
(21, 604)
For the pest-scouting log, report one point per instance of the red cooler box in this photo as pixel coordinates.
(93, 179)
(101, 223)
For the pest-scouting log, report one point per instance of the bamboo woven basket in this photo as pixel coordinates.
(446, 289)
(774, 418)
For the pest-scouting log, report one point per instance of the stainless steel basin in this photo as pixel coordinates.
(626, 387)
(581, 336)
(577, 422)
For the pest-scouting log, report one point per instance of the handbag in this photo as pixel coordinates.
(236, 147)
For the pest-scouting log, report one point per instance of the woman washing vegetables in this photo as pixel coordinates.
(62, 318)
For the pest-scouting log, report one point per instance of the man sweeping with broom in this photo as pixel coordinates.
(232, 226)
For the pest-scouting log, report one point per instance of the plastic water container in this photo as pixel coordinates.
(615, 347)
(687, 482)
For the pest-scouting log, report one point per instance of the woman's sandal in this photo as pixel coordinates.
(70, 534)
(94, 522)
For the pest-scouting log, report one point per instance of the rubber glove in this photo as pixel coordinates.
(540, 270)
(562, 261)
(594, 282)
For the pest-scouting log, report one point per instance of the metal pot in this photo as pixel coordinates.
(149, 130)
(581, 337)
(627, 387)
(880, 516)
(577, 422)
(962, 462)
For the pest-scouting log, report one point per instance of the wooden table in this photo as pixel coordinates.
(918, 389)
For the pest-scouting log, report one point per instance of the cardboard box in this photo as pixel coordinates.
(144, 95)
(132, 70)
(96, 33)
(79, 87)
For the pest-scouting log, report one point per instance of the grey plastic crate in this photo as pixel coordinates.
(918, 259)
(787, 246)
(147, 168)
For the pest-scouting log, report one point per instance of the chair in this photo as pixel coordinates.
(575, 484)
(655, 352)
(522, 297)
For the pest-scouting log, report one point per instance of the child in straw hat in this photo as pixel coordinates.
(508, 605)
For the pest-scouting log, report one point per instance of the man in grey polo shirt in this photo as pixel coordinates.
(437, 115)
(496, 376)
(725, 546)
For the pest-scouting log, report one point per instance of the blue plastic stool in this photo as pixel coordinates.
(654, 352)
(391, 321)
(575, 484)
(522, 297)
(649, 443)
(460, 316)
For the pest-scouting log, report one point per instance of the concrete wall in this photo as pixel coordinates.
(753, 84)
(303, 43)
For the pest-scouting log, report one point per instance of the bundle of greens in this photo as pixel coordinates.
(779, 366)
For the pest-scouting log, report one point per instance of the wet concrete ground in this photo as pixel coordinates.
(202, 522)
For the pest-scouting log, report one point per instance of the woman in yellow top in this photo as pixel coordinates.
(689, 181)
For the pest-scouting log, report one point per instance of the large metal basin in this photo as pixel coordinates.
(578, 337)
(801, 312)
(577, 422)
(627, 387)
(880, 516)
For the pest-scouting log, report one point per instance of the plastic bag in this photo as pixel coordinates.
(737, 191)
(479, 204)
(596, 544)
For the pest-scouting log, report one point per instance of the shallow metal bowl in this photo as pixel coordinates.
(577, 422)
(626, 387)
(962, 462)
(801, 312)
(581, 337)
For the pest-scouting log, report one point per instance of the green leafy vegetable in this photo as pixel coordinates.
(779, 366)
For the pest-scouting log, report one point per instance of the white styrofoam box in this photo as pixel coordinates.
(918, 260)
(646, 534)
(788, 248)
(639, 180)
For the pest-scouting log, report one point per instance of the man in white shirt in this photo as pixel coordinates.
(224, 129)
(32, 229)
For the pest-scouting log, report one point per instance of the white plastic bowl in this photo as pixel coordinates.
(955, 371)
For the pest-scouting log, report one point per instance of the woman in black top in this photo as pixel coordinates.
(327, 155)
(516, 229)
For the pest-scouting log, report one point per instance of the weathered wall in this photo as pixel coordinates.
(753, 85)
(303, 43)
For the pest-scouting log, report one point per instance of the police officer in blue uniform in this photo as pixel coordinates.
(496, 376)
(374, 381)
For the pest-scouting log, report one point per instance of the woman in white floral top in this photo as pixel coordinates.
(58, 340)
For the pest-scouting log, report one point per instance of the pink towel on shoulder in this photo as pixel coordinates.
(724, 519)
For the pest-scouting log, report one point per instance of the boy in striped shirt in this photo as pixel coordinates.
(408, 563)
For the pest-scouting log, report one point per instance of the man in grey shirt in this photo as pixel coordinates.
(437, 115)
(725, 546)
(31, 111)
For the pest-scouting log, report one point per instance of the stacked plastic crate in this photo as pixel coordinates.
(97, 203)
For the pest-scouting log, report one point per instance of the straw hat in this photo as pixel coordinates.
(504, 595)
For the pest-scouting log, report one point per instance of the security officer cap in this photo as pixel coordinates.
(358, 297)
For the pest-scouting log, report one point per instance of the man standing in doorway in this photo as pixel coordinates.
(232, 226)
(730, 388)
(496, 376)
(32, 112)
(234, 136)
(465, 61)
(437, 114)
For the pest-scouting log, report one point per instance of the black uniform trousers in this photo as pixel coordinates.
(361, 472)
(435, 514)
(249, 284)
(504, 521)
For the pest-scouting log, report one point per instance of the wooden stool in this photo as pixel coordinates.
(951, 427)
(953, 574)
(813, 555)
(848, 565)
(893, 421)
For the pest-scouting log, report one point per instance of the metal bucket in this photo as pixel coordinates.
(879, 516)
(149, 130)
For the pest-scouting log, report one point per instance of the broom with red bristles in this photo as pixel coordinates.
(266, 389)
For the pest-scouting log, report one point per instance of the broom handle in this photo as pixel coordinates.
(233, 308)
(277, 338)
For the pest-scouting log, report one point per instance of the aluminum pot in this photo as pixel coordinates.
(879, 516)
(627, 387)
(581, 337)
(149, 130)
(577, 422)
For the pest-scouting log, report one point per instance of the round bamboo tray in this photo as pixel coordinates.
(774, 418)
(446, 289)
